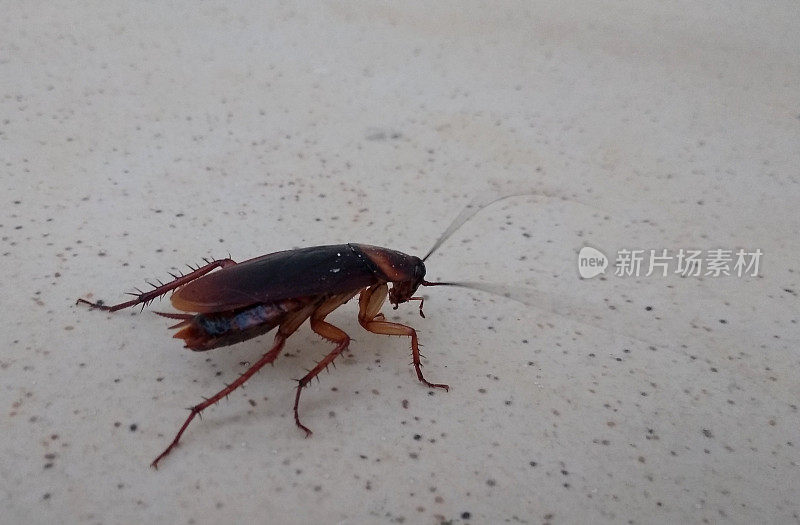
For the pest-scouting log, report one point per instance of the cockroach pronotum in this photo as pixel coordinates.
(283, 289)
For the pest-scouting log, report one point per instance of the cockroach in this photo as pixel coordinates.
(282, 290)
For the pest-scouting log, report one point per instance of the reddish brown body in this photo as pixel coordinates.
(282, 290)
(253, 297)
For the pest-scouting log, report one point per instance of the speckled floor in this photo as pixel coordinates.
(135, 140)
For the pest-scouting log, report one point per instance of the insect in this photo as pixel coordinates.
(284, 289)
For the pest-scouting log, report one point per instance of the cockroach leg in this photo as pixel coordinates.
(372, 320)
(146, 297)
(387, 328)
(197, 409)
(291, 323)
(331, 333)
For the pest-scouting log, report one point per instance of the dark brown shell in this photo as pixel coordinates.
(304, 272)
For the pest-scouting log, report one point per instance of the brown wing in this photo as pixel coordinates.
(277, 276)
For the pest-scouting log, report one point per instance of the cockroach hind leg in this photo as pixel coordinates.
(98, 304)
(170, 315)
(145, 298)
(198, 409)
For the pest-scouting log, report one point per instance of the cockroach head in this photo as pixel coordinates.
(405, 272)
(403, 290)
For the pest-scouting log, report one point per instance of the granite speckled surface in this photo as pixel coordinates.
(135, 139)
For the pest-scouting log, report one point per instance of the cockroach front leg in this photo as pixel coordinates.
(145, 297)
(197, 409)
(371, 319)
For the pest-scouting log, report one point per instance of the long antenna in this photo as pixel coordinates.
(601, 317)
(606, 317)
(483, 200)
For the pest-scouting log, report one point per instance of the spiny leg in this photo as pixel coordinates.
(197, 409)
(287, 327)
(371, 319)
(290, 323)
(146, 297)
(329, 332)
(388, 328)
